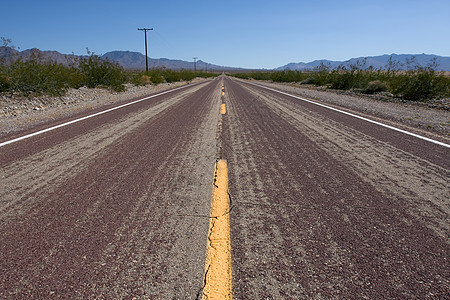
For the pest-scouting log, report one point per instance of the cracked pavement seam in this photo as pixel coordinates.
(217, 277)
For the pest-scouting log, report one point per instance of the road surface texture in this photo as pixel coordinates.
(323, 205)
(116, 206)
(328, 206)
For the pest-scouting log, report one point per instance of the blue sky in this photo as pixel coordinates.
(252, 34)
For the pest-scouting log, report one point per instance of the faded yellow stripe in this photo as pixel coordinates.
(218, 283)
(223, 109)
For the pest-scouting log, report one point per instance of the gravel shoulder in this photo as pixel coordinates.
(20, 113)
(426, 119)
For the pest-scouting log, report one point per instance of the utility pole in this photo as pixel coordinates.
(195, 64)
(146, 57)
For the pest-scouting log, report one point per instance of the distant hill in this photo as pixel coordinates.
(136, 61)
(127, 59)
(376, 61)
(8, 54)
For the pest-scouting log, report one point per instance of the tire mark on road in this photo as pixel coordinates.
(321, 230)
(400, 174)
(23, 181)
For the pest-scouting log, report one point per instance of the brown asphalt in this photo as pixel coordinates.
(327, 206)
(113, 207)
(322, 205)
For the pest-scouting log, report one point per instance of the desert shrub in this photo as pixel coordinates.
(320, 75)
(4, 79)
(415, 87)
(160, 75)
(75, 78)
(155, 75)
(281, 76)
(137, 78)
(35, 77)
(308, 80)
(144, 79)
(288, 76)
(99, 72)
(4, 83)
(188, 75)
(419, 83)
(342, 79)
(354, 76)
(171, 76)
(243, 75)
(376, 86)
(259, 75)
(32, 77)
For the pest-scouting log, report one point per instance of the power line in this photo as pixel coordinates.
(195, 64)
(146, 57)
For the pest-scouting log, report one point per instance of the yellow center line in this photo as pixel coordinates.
(218, 283)
(223, 109)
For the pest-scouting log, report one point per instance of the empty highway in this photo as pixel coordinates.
(322, 204)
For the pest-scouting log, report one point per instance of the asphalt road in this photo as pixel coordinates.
(323, 205)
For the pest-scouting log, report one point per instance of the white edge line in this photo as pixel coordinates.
(87, 117)
(357, 116)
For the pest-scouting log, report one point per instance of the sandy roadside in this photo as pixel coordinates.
(19, 113)
(428, 119)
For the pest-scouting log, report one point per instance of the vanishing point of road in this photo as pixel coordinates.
(299, 201)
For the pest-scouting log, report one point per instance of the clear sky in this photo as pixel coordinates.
(252, 34)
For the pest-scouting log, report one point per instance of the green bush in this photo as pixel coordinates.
(276, 76)
(4, 81)
(31, 77)
(171, 76)
(160, 75)
(420, 84)
(34, 77)
(138, 79)
(98, 72)
(376, 86)
(320, 75)
(416, 84)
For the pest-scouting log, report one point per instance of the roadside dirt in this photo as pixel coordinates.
(427, 118)
(18, 113)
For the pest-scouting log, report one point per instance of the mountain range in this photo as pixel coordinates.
(377, 62)
(127, 59)
(136, 61)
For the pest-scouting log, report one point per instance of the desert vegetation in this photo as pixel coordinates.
(36, 76)
(160, 75)
(415, 82)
